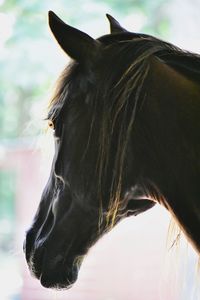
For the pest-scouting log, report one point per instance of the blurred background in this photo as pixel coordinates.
(134, 261)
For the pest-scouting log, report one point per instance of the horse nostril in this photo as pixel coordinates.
(56, 262)
(58, 259)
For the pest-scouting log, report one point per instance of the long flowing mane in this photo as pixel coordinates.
(122, 95)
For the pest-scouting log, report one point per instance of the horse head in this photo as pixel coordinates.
(92, 185)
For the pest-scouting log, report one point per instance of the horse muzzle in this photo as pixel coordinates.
(58, 271)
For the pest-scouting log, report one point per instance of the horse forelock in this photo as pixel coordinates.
(117, 98)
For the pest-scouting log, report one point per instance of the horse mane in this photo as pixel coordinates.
(112, 98)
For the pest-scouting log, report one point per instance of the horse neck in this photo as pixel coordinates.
(171, 114)
(178, 99)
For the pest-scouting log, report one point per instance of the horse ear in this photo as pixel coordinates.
(77, 44)
(115, 27)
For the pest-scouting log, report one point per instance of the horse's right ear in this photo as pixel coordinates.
(115, 27)
(77, 44)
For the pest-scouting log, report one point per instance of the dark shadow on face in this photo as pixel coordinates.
(61, 234)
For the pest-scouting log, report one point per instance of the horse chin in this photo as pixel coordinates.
(53, 282)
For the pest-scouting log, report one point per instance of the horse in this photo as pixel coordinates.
(125, 119)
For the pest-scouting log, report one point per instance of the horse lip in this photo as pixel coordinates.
(56, 285)
(48, 281)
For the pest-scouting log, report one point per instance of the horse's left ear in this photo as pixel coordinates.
(77, 44)
(115, 27)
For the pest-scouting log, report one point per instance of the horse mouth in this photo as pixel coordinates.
(56, 274)
(58, 280)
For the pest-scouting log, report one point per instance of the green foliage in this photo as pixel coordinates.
(7, 192)
(7, 210)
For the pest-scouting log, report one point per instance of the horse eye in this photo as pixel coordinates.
(51, 124)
